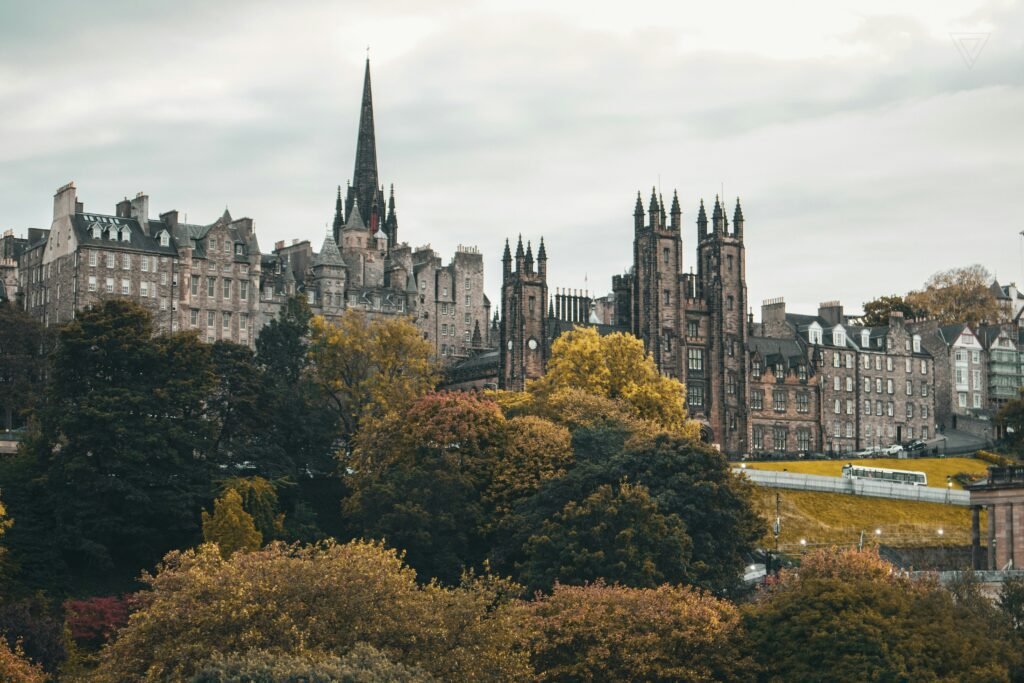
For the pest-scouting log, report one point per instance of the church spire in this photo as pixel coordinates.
(339, 216)
(365, 182)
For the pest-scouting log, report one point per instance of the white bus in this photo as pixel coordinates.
(881, 474)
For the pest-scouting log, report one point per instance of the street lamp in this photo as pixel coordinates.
(940, 531)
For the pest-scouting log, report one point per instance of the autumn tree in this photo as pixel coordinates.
(230, 527)
(368, 368)
(617, 534)
(535, 450)
(292, 600)
(418, 480)
(363, 663)
(259, 500)
(16, 668)
(615, 367)
(958, 295)
(612, 633)
(851, 614)
(876, 311)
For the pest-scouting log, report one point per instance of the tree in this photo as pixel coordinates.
(1010, 417)
(93, 621)
(611, 633)
(237, 405)
(850, 614)
(418, 479)
(615, 367)
(259, 500)
(34, 626)
(1011, 603)
(15, 668)
(230, 527)
(24, 347)
(684, 478)
(122, 438)
(368, 368)
(616, 534)
(876, 311)
(363, 664)
(535, 450)
(291, 600)
(958, 295)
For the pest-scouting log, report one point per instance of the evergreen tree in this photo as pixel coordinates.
(230, 526)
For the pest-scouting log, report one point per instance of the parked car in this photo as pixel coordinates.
(915, 446)
(894, 449)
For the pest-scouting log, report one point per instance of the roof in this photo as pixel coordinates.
(111, 226)
(790, 351)
(329, 253)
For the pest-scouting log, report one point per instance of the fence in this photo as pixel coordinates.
(857, 487)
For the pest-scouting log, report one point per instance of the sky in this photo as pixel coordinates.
(872, 143)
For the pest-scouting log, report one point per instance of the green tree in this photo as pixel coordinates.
(958, 295)
(418, 480)
(684, 478)
(535, 450)
(1011, 603)
(237, 405)
(612, 633)
(230, 527)
(1011, 418)
(876, 311)
(24, 349)
(122, 439)
(293, 600)
(616, 534)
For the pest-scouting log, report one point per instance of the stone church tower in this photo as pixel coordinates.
(523, 350)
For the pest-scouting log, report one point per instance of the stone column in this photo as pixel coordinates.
(1018, 535)
(991, 510)
(976, 559)
(1004, 534)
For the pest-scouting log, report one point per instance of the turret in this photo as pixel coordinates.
(654, 211)
(506, 263)
(542, 260)
(737, 220)
(529, 257)
(718, 218)
(702, 222)
(520, 256)
(638, 213)
(676, 212)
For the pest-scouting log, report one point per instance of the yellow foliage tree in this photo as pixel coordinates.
(230, 526)
(617, 368)
(535, 450)
(369, 367)
(16, 668)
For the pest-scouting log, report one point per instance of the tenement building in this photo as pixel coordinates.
(214, 278)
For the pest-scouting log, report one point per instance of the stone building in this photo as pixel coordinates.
(214, 278)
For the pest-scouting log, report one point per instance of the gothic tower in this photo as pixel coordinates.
(365, 193)
(524, 294)
(657, 299)
(721, 263)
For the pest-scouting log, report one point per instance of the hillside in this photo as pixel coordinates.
(937, 469)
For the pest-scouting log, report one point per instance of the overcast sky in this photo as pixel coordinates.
(869, 150)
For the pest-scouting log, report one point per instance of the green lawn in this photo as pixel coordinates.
(937, 469)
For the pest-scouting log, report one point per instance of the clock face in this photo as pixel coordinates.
(532, 344)
(509, 344)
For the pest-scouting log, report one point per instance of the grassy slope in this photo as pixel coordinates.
(831, 518)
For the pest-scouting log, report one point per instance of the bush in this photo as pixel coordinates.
(993, 458)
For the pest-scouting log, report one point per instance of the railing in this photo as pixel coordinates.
(981, 576)
(857, 487)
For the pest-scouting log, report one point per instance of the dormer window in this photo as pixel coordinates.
(124, 234)
(96, 230)
(755, 369)
(165, 239)
(780, 372)
(917, 343)
(814, 334)
(801, 372)
(865, 338)
(839, 336)
(238, 250)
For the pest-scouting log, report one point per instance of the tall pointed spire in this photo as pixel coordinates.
(676, 212)
(339, 216)
(365, 182)
(737, 219)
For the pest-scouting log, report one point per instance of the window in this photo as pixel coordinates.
(803, 440)
(144, 265)
(910, 388)
(867, 363)
(226, 288)
(878, 407)
(444, 330)
(92, 283)
(126, 262)
(692, 328)
(163, 304)
(243, 290)
(144, 289)
(469, 300)
(195, 286)
(801, 372)
(889, 409)
(867, 385)
(779, 438)
(889, 386)
(92, 257)
(837, 429)
(849, 361)
(695, 395)
(465, 318)
(444, 292)
(728, 262)
(664, 255)
(888, 363)
(837, 406)
(960, 355)
(757, 399)
(757, 437)
(867, 406)
(924, 433)
(163, 278)
(779, 401)
(213, 243)
(110, 285)
(924, 411)
(910, 365)
(695, 359)
(209, 318)
(878, 363)
(975, 379)
(910, 410)
(193, 317)
(165, 239)
(977, 400)
(243, 321)
(975, 357)
(803, 402)
(849, 406)
(211, 286)
(849, 384)
(225, 319)
(730, 303)
(780, 372)
(666, 297)
(238, 250)
(126, 287)
(962, 399)
(755, 368)
(531, 302)
(924, 367)
(730, 383)
(466, 336)
(836, 359)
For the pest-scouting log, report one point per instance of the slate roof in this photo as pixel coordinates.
(789, 351)
(139, 240)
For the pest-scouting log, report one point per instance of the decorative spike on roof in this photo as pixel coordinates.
(675, 204)
(702, 216)
(639, 210)
(737, 216)
(529, 251)
(717, 211)
(654, 208)
(507, 256)
(542, 254)
(364, 177)
(519, 248)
